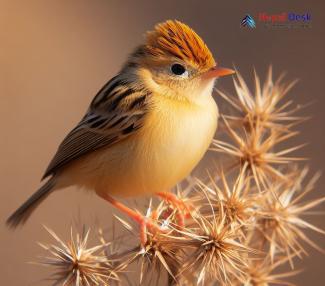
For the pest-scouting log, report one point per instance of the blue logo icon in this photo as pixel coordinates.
(248, 21)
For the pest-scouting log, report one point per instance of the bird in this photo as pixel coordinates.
(146, 128)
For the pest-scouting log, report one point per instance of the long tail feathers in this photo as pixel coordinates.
(20, 216)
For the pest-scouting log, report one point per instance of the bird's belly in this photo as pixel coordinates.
(176, 148)
(163, 152)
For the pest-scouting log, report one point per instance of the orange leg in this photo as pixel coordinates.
(143, 221)
(183, 210)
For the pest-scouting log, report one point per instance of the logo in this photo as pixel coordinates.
(248, 21)
(287, 20)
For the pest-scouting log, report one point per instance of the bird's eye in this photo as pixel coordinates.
(178, 69)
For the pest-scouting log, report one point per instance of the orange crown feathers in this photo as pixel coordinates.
(173, 38)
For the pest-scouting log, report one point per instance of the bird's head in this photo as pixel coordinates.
(174, 61)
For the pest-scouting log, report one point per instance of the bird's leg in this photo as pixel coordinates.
(183, 210)
(143, 221)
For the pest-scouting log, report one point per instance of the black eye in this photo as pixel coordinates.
(178, 69)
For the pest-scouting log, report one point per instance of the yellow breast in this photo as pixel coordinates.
(173, 139)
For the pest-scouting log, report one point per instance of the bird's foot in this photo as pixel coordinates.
(149, 227)
(147, 223)
(183, 210)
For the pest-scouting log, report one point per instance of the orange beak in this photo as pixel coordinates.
(218, 72)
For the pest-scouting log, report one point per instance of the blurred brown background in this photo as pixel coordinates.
(55, 55)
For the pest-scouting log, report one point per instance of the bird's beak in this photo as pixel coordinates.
(216, 72)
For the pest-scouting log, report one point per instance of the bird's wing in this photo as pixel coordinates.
(116, 112)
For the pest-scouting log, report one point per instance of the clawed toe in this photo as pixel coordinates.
(183, 211)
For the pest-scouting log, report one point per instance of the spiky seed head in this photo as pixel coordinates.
(266, 106)
(263, 272)
(218, 253)
(76, 264)
(236, 199)
(256, 154)
(163, 250)
(176, 39)
(283, 224)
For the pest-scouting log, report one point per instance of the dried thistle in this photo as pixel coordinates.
(217, 253)
(76, 264)
(282, 222)
(163, 250)
(260, 272)
(237, 200)
(265, 107)
(255, 153)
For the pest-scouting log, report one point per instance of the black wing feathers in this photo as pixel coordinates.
(109, 119)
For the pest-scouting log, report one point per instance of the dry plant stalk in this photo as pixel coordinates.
(245, 221)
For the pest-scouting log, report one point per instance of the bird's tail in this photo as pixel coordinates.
(21, 215)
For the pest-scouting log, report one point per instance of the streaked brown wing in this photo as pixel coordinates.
(116, 112)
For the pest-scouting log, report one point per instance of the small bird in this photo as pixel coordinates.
(146, 129)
